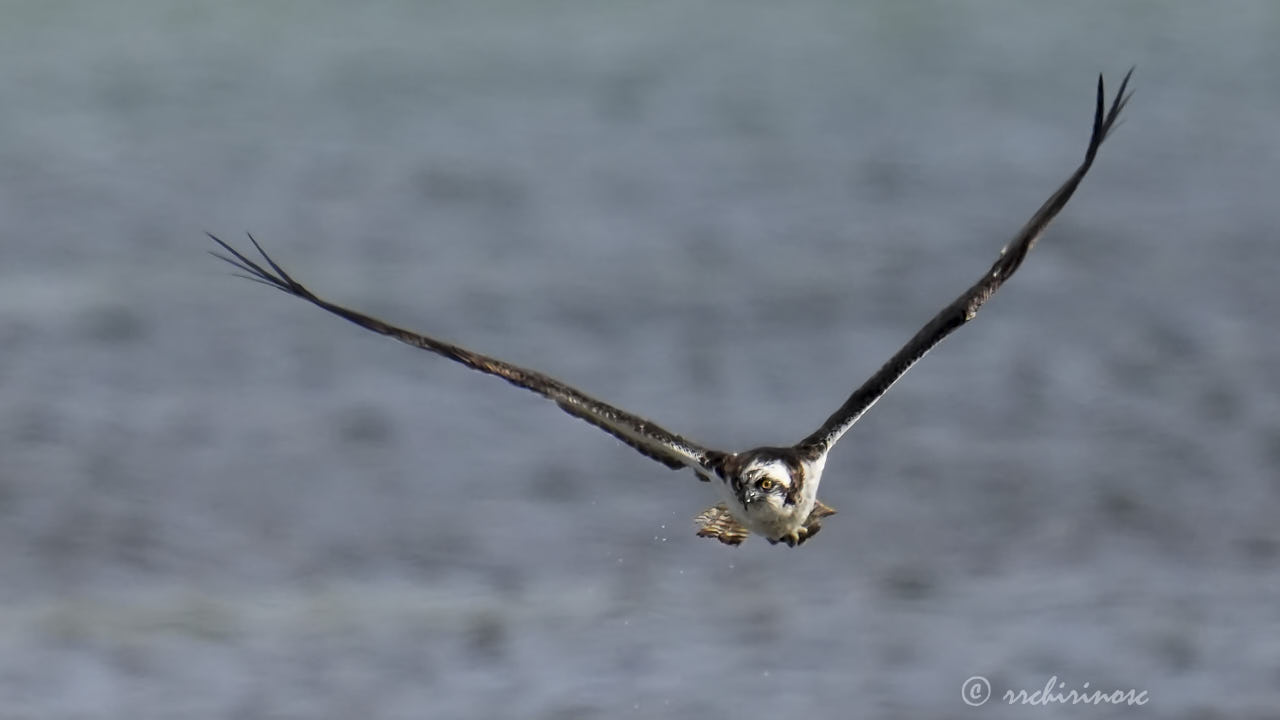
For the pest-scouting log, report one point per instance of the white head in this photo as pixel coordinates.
(770, 490)
(766, 484)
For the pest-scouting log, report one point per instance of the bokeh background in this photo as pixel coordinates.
(218, 502)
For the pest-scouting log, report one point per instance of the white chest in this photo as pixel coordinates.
(772, 517)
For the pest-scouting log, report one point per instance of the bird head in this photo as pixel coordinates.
(765, 486)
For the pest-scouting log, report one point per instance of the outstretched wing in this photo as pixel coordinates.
(651, 440)
(966, 306)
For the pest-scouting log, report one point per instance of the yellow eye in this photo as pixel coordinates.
(766, 484)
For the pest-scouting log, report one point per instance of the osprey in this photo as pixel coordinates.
(770, 491)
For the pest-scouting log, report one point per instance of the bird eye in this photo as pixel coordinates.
(766, 484)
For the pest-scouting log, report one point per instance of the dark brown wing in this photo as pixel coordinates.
(646, 437)
(966, 306)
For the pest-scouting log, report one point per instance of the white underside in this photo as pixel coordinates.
(772, 521)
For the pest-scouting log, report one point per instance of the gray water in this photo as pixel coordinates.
(217, 501)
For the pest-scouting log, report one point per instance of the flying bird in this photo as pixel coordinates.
(770, 491)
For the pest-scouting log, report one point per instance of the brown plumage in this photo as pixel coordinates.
(768, 490)
(964, 308)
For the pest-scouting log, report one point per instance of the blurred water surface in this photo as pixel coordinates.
(216, 501)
